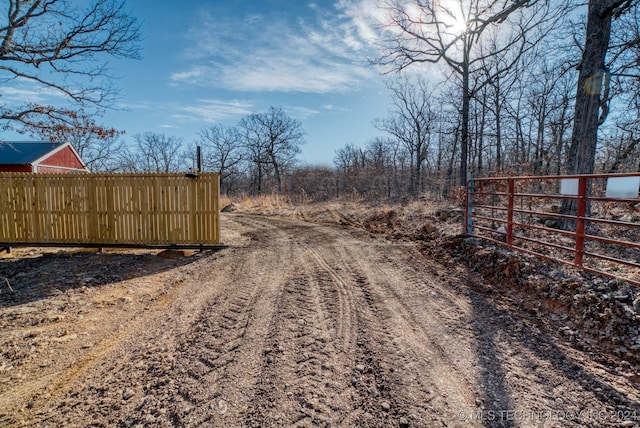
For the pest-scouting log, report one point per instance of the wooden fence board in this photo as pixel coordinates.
(109, 209)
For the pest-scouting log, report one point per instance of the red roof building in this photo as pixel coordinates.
(41, 157)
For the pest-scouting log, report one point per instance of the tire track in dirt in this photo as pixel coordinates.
(371, 386)
(403, 353)
(425, 350)
(337, 292)
(370, 351)
(227, 340)
(207, 352)
(316, 325)
(189, 366)
(311, 348)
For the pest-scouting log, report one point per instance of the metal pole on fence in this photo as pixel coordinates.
(580, 220)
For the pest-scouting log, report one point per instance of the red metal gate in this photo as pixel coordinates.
(601, 233)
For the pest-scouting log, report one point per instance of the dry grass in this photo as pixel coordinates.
(409, 219)
(225, 202)
(265, 201)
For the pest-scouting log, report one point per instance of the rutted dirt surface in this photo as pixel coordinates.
(295, 324)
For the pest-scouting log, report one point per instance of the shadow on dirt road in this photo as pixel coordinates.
(29, 279)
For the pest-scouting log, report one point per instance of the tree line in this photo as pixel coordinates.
(254, 156)
(519, 87)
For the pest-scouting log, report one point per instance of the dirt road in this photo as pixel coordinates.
(295, 324)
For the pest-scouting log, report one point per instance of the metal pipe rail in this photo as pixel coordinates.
(516, 212)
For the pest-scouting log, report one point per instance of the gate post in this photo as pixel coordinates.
(580, 222)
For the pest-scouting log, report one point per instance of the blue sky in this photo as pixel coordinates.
(213, 62)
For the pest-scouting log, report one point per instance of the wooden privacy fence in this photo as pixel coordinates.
(128, 210)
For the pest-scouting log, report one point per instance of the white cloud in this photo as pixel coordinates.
(365, 17)
(136, 105)
(192, 74)
(301, 113)
(293, 73)
(28, 93)
(326, 52)
(210, 111)
(331, 107)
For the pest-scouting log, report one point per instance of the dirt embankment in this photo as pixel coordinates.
(298, 324)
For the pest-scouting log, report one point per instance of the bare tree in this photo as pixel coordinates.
(425, 31)
(272, 140)
(222, 152)
(284, 138)
(59, 46)
(410, 123)
(254, 151)
(374, 171)
(316, 183)
(622, 152)
(351, 162)
(153, 153)
(381, 176)
(498, 78)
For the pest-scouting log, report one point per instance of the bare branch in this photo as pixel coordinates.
(423, 31)
(54, 44)
(615, 8)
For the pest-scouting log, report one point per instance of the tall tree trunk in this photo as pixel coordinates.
(412, 175)
(498, 126)
(276, 172)
(419, 162)
(584, 138)
(464, 140)
(483, 119)
(259, 178)
(540, 151)
(592, 67)
(450, 168)
(560, 135)
(520, 143)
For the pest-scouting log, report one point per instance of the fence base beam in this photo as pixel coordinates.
(100, 246)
